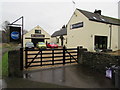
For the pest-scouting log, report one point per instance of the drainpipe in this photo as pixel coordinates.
(110, 36)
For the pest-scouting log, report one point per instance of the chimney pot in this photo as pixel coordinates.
(97, 12)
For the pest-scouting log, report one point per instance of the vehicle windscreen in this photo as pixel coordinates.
(41, 43)
(52, 43)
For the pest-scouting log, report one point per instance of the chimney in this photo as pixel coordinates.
(97, 12)
(63, 26)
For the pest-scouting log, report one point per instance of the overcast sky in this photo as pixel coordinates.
(51, 15)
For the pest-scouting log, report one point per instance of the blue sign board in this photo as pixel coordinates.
(15, 35)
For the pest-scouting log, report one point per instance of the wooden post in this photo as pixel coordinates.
(21, 58)
(78, 54)
(70, 59)
(52, 56)
(26, 61)
(41, 57)
(64, 55)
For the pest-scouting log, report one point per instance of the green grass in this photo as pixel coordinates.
(4, 65)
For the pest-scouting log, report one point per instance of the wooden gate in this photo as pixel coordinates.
(47, 57)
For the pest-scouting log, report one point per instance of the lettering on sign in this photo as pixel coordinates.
(77, 25)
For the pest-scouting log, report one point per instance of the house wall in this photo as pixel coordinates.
(84, 36)
(33, 32)
(54, 39)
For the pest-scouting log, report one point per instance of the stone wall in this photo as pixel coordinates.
(99, 61)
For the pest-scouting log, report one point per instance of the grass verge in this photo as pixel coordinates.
(4, 65)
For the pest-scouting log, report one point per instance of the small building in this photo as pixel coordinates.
(93, 31)
(60, 37)
(36, 35)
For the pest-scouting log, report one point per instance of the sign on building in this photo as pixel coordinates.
(77, 25)
(15, 34)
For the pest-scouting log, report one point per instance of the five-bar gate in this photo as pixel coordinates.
(47, 57)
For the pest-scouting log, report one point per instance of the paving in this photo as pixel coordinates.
(75, 76)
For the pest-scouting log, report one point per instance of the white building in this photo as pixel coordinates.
(36, 35)
(58, 35)
(93, 31)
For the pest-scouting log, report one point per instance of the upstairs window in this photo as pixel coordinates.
(38, 31)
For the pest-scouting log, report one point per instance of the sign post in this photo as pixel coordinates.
(16, 32)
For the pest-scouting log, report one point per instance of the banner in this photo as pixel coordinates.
(77, 25)
(15, 34)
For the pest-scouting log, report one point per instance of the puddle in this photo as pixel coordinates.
(75, 76)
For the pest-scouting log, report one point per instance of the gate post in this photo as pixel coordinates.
(26, 57)
(52, 56)
(80, 51)
(14, 64)
(78, 54)
(21, 58)
(41, 58)
(64, 55)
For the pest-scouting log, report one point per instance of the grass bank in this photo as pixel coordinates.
(4, 65)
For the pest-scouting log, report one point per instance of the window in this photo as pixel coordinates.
(100, 42)
(103, 19)
(38, 31)
(94, 17)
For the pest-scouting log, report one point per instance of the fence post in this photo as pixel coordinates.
(64, 55)
(26, 49)
(41, 57)
(21, 58)
(78, 54)
(52, 56)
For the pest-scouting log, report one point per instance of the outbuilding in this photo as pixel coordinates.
(36, 35)
(93, 31)
(60, 37)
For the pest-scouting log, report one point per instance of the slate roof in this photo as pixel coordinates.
(100, 18)
(93, 17)
(62, 31)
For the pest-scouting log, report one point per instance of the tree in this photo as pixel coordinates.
(25, 31)
(5, 27)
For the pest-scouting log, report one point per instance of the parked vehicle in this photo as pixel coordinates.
(52, 45)
(41, 45)
(29, 45)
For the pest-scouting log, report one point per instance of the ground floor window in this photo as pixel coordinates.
(100, 42)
